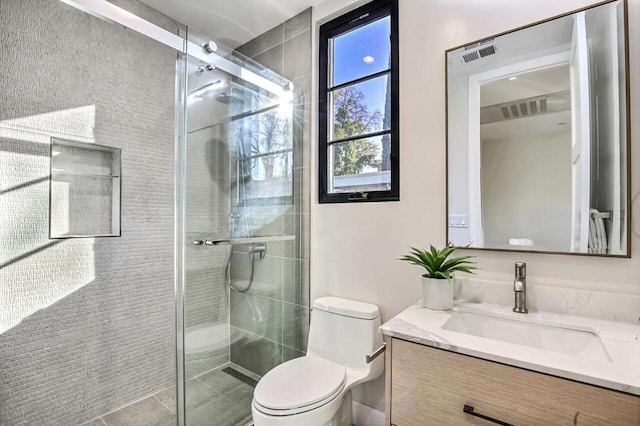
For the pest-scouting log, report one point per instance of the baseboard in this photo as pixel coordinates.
(363, 415)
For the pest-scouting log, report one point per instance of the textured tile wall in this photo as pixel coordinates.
(270, 322)
(86, 325)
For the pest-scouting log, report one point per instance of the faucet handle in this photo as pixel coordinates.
(521, 270)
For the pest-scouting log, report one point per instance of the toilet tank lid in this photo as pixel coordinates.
(347, 307)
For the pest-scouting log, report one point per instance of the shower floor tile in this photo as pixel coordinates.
(147, 412)
(221, 411)
(215, 397)
(197, 394)
(232, 408)
(220, 381)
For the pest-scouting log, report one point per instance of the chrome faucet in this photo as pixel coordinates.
(520, 288)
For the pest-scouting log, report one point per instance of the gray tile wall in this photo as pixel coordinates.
(86, 325)
(270, 322)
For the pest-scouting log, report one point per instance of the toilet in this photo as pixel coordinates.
(315, 390)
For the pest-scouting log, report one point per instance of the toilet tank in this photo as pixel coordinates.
(345, 331)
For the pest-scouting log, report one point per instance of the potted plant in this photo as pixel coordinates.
(437, 283)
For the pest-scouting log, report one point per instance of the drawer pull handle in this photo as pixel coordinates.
(469, 410)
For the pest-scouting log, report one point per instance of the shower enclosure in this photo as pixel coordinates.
(245, 301)
(176, 173)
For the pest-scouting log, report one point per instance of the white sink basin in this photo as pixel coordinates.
(553, 337)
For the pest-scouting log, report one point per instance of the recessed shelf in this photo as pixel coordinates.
(84, 190)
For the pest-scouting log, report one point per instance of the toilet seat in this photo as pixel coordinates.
(299, 385)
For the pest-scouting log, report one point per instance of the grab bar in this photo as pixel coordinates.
(244, 240)
(217, 242)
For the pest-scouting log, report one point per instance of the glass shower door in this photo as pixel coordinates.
(237, 157)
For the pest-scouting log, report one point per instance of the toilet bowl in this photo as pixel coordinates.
(315, 390)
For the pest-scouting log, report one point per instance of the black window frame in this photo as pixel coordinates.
(356, 18)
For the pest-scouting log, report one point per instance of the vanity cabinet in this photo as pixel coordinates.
(430, 386)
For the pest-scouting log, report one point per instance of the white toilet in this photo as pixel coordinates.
(315, 390)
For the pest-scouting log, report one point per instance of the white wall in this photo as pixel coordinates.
(519, 172)
(354, 246)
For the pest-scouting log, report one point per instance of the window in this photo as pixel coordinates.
(358, 105)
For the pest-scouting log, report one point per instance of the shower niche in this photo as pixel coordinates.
(84, 196)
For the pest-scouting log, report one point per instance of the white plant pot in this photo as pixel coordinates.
(437, 294)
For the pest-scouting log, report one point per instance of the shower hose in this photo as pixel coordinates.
(260, 248)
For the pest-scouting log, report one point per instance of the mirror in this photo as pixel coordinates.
(538, 136)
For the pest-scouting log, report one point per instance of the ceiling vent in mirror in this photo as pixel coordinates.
(553, 102)
(476, 51)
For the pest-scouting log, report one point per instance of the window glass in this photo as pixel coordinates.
(360, 109)
(359, 165)
(361, 52)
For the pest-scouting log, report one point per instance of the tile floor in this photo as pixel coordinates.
(214, 398)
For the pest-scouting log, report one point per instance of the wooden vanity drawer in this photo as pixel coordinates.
(430, 386)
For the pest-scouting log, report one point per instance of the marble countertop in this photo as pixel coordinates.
(621, 341)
